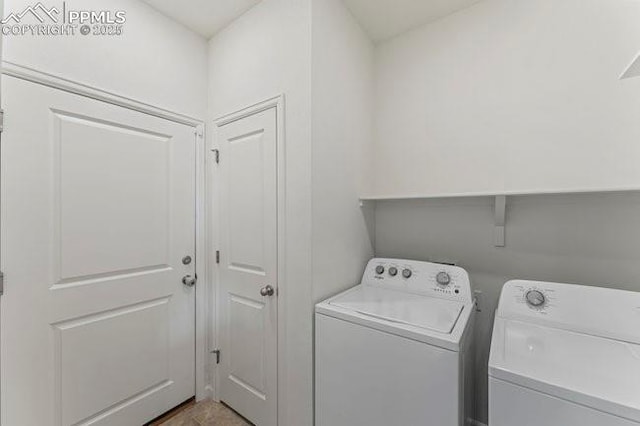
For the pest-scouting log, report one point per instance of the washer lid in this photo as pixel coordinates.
(590, 370)
(425, 312)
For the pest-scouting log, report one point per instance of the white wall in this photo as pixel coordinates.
(514, 95)
(264, 53)
(156, 60)
(342, 124)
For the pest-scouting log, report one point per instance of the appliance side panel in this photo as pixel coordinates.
(468, 360)
(365, 377)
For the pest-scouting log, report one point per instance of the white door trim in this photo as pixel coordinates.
(277, 102)
(58, 82)
(203, 387)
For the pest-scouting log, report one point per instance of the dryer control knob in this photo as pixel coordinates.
(393, 271)
(443, 278)
(535, 298)
(406, 273)
(379, 269)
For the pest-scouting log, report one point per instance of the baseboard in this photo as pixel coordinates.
(473, 422)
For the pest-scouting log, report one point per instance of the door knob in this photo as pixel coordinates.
(189, 280)
(267, 291)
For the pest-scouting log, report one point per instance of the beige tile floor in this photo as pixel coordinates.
(204, 413)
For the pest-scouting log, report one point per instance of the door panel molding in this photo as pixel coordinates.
(98, 157)
(141, 375)
(213, 218)
(109, 276)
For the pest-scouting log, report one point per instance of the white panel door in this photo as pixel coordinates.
(248, 266)
(97, 213)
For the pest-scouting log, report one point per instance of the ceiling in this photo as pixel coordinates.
(206, 17)
(383, 19)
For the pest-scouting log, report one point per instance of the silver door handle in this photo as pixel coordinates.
(267, 291)
(189, 280)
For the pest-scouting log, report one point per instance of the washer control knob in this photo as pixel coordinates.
(443, 278)
(379, 269)
(535, 298)
(393, 271)
(406, 273)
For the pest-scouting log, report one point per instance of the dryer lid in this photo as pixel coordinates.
(430, 313)
(590, 370)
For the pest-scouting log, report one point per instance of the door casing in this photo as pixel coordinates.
(202, 325)
(213, 191)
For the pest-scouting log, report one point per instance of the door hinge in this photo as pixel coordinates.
(216, 352)
(217, 256)
(1, 283)
(216, 153)
(1, 120)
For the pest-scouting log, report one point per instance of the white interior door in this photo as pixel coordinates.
(248, 266)
(97, 213)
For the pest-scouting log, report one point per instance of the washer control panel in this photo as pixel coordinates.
(443, 278)
(594, 310)
(535, 298)
(434, 279)
(528, 298)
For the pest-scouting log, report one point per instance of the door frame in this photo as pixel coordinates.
(277, 102)
(202, 387)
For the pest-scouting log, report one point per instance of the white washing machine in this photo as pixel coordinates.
(565, 355)
(397, 349)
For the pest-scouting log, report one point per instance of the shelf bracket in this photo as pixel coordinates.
(500, 215)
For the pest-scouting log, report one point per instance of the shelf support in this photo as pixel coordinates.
(500, 216)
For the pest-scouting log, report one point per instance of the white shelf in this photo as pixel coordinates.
(425, 196)
(400, 197)
(500, 201)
